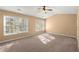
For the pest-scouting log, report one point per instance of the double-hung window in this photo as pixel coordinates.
(15, 25)
(23, 25)
(40, 25)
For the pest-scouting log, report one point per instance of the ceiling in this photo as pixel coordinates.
(35, 11)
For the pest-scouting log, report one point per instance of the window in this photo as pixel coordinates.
(40, 25)
(15, 25)
(23, 25)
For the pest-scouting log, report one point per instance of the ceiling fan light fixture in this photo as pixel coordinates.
(45, 9)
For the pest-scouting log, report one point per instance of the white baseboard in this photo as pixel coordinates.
(18, 38)
(62, 34)
(32, 35)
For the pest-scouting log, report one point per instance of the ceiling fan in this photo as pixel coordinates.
(45, 9)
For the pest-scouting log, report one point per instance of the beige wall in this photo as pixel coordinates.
(62, 24)
(31, 25)
(78, 24)
(1, 27)
(78, 27)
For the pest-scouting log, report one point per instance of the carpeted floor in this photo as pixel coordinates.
(41, 43)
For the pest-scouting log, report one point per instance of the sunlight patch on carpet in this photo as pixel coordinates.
(46, 38)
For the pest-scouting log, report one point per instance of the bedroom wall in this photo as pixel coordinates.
(62, 24)
(78, 27)
(11, 37)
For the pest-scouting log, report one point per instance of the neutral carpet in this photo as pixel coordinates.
(41, 43)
